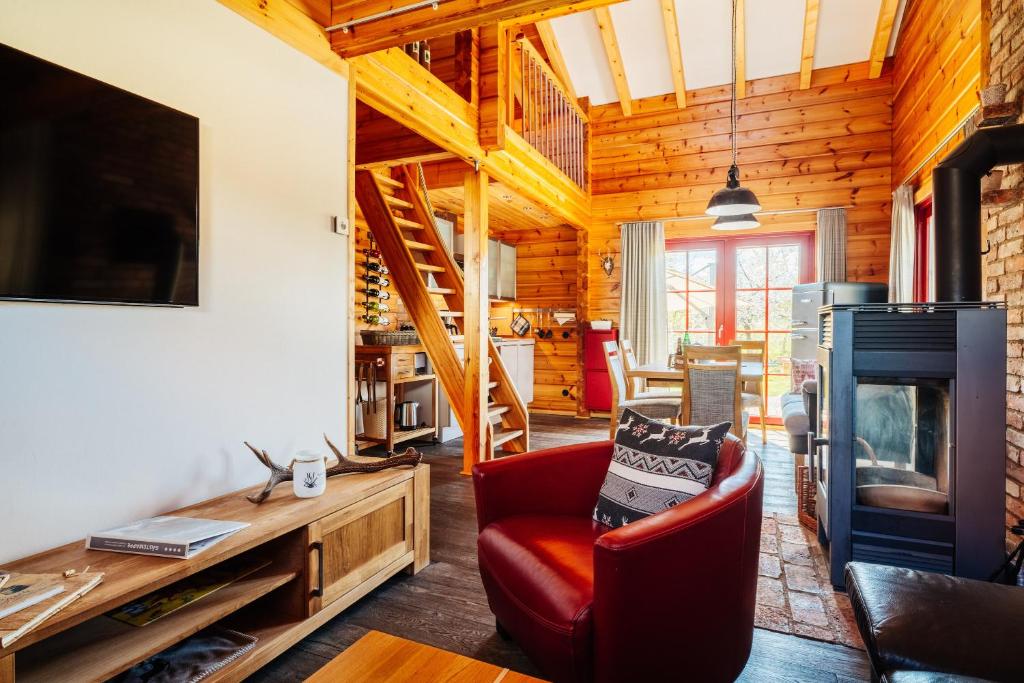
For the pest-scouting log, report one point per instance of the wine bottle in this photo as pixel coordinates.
(383, 270)
(375, 267)
(384, 294)
(383, 281)
(371, 305)
(383, 320)
(371, 319)
(372, 292)
(373, 279)
(383, 308)
(372, 253)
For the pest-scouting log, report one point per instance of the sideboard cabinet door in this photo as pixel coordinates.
(354, 543)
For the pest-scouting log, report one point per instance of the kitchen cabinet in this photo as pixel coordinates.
(506, 271)
(524, 367)
(501, 267)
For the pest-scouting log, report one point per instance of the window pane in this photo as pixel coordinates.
(702, 338)
(778, 352)
(750, 311)
(675, 269)
(702, 311)
(676, 311)
(780, 310)
(702, 269)
(783, 265)
(749, 335)
(750, 267)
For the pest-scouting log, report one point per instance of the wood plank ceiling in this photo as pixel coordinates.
(774, 38)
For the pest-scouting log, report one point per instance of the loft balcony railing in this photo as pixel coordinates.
(545, 115)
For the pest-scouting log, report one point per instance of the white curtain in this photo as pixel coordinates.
(831, 253)
(901, 249)
(643, 308)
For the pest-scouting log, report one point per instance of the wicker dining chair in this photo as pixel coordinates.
(662, 408)
(755, 393)
(634, 390)
(712, 392)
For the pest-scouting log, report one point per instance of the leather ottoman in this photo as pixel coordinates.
(920, 626)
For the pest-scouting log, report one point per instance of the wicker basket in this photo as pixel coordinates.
(389, 338)
(805, 498)
(375, 419)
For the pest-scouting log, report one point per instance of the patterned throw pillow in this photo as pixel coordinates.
(656, 466)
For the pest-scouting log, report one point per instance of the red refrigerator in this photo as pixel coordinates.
(598, 392)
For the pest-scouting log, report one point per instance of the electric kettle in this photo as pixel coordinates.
(406, 415)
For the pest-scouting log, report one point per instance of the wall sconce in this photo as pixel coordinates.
(607, 263)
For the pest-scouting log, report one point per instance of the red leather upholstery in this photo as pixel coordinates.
(668, 598)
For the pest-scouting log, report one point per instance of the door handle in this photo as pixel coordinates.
(318, 592)
(721, 331)
(813, 441)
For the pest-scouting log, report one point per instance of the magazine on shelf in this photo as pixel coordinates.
(21, 591)
(18, 624)
(166, 536)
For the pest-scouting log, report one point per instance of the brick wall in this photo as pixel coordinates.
(1005, 229)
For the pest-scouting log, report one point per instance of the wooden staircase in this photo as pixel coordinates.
(397, 214)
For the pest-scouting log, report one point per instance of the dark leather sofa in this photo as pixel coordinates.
(667, 598)
(924, 627)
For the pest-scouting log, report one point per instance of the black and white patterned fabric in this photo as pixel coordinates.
(656, 466)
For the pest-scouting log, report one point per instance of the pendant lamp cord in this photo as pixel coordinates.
(732, 102)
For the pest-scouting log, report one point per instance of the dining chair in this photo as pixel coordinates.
(756, 392)
(634, 388)
(713, 388)
(659, 408)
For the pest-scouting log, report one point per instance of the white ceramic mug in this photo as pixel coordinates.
(309, 474)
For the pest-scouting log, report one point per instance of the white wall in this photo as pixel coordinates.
(112, 413)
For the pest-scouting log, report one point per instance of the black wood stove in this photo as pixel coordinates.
(909, 446)
(910, 441)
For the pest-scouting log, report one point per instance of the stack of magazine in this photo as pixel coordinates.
(179, 537)
(27, 600)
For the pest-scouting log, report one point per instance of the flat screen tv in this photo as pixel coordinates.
(99, 191)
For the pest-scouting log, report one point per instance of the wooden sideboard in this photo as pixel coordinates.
(325, 553)
(396, 370)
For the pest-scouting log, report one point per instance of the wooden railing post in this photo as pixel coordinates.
(477, 432)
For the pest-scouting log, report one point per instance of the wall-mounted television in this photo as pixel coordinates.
(99, 191)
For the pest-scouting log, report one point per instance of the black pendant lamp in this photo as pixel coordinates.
(743, 222)
(733, 199)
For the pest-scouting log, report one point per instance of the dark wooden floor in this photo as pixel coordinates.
(444, 605)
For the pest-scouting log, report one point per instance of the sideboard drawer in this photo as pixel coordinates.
(403, 365)
(354, 543)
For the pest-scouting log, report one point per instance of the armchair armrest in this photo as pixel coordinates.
(684, 577)
(557, 481)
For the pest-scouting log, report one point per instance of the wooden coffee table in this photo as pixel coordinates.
(381, 658)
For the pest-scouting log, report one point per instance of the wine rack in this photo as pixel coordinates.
(374, 283)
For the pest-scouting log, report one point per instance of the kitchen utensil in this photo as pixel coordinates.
(406, 415)
(520, 325)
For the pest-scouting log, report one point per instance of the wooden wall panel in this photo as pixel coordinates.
(799, 150)
(936, 80)
(545, 278)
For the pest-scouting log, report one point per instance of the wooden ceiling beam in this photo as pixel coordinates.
(550, 43)
(741, 50)
(810, 37)
(883, 32)
(611, 50)
(450, 16)
(675, 53)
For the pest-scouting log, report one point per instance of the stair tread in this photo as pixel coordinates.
(419, 246)
(427, 268)
(450, 314)
(440, 290)
(395, 201)
(492, 385)
(388, 180)
(496, 409)
(504, 437)
(407, 224)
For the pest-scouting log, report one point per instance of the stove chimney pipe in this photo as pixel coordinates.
(956, 185)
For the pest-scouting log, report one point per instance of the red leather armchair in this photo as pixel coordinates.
(667, 598)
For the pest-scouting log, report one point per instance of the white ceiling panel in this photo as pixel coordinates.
(641, 34)
(775, 35)
(583, 51)
(846, 29)
(704, 33)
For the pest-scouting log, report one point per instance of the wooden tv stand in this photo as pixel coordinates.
(325, 553)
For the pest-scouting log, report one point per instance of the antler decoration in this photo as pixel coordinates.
(279, 474)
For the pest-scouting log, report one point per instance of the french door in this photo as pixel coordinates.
(720, 290)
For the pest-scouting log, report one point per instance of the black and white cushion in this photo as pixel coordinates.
(656, 466)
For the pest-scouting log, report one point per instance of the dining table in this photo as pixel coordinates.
(662, 374)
